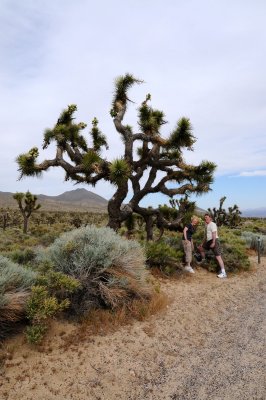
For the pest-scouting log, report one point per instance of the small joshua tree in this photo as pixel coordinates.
(229, 218)
(27, 205)
(5, 217)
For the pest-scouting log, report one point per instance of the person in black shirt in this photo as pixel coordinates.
(187, 242)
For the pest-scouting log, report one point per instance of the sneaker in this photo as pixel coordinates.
(222, 275)
(189, 269)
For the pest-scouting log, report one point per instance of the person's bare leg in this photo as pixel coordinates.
(221, 264)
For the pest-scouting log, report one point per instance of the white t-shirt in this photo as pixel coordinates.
(210, 228)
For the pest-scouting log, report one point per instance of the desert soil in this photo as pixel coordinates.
(209, 343)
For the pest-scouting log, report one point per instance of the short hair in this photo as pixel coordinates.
(195, 217)
(207, 215)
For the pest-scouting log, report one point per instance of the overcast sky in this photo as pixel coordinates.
(205, 60)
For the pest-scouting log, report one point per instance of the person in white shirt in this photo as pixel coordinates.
(211, 242)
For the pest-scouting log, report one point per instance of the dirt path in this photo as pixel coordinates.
(208, 344)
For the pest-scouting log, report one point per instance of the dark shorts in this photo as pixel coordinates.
(216, 249)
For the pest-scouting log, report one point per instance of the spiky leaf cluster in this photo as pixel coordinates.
(65, 131)
(182, 135)
(99, 139)
(119, 171)
(91, 160)
(122, 85)
(150, 120)
(27, 163)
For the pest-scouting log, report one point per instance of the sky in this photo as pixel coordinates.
(204, 60)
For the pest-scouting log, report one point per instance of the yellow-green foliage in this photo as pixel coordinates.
(41, 305)
(35, 333)
(48, 298)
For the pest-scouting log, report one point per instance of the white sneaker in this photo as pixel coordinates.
(222, 275)
(189, 269)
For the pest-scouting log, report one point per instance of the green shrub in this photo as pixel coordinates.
(48, 298)
(111, 269)
(165, 254)
(35, 333)
(25, 256)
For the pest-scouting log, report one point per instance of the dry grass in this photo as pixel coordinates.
(12, 313)
(14, 308)
(101, 322)
(130, 287)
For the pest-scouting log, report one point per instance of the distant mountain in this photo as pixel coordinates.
(78, 195)
(73, 200)
(254, 212)
(200, 211)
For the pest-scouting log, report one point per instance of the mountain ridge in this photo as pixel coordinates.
(75, 195)
(84, 200)
(72, 200)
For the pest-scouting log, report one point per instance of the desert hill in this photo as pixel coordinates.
(73, 200)
(85, 200)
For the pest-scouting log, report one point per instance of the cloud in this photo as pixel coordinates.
(209, 67)
(251, 173)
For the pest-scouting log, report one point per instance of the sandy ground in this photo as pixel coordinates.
(208, 344)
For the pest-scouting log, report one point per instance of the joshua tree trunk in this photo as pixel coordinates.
(116, 212)
(149, 227)
(25, 224)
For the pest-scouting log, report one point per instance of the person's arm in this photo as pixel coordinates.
(185, 233)
(213, 239)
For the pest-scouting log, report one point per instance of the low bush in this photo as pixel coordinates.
(255, 225)
(165, 255)
(23, 257)
(48, 297)
(111, 269)
(15, 284)
(252, 242)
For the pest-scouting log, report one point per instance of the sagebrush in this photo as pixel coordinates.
(15, 285)
(111, 269)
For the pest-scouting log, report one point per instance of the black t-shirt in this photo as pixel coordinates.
(190, 231)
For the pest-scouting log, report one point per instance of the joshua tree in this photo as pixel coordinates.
(222, 217)
(150, 164)
(5, 218)
(27, 208)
